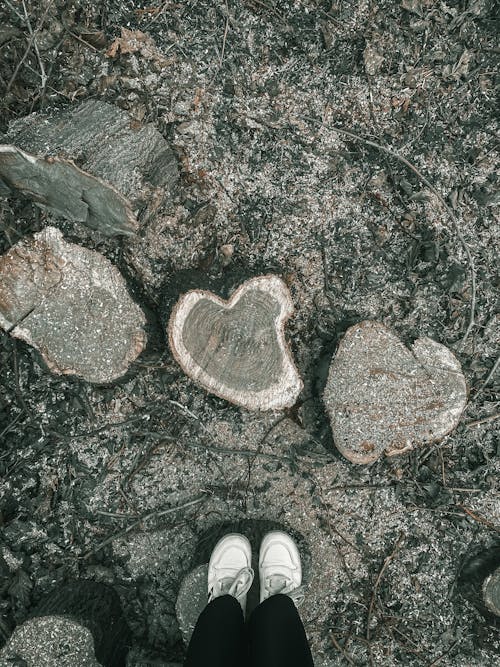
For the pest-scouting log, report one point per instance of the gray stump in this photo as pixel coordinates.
(92, 164)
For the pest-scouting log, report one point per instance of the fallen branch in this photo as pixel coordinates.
(479, 519)
(151, 515)
(387, 560)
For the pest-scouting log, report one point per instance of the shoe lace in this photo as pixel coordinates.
(236, 586)
(280, 583)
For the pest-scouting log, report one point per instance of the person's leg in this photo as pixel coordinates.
(219, 638)
(276, 635)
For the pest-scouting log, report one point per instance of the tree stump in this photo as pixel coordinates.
(383, 398)
(72, 305)
(51, 641)
(80, 623)
(123, 167)
(479, 581)
(491, 592)
(236, 349)
(191, 600)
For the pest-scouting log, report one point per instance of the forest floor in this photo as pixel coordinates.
(291, 121)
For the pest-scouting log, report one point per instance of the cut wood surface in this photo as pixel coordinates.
(491, 592)
(383, 398)
(237, 349)
(123, 166)
(72, 305)
(50, 641)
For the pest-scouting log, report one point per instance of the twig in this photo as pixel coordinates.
(443, 655)
(31, 42)
(106, 427)
(387, 560)
(479, 519)
(258, 451)
(476, 422)
(145, 517)
(341, 649)
(43, 76)
(81, 40)
(428, 184)
(489, 377)
(11, 425)
(226, 28)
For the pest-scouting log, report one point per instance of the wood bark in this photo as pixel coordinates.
(93, 164)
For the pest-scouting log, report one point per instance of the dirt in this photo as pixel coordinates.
(252, 96)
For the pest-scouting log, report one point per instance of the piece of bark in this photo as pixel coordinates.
(383, 398)
(236, 349)
(72, 305)
(118, 158)
(60, 186)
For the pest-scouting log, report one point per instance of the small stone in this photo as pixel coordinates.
(227, 252)
(237, 349)
(383, 398)
(72, 305)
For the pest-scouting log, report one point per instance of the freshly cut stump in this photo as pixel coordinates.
(72, 305)
(237, 349)
(383, 398)
(94, 165)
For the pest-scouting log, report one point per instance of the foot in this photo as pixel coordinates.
(280, 567)
(229, 570)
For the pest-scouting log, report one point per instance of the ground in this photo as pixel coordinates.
(253, 95)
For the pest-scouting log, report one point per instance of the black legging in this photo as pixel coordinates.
(273, 637)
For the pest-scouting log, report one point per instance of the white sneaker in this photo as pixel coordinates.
(229, 570)
(280, 567)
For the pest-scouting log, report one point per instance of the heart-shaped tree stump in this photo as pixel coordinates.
(72, 305)
(383, 398)
(237, 349)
